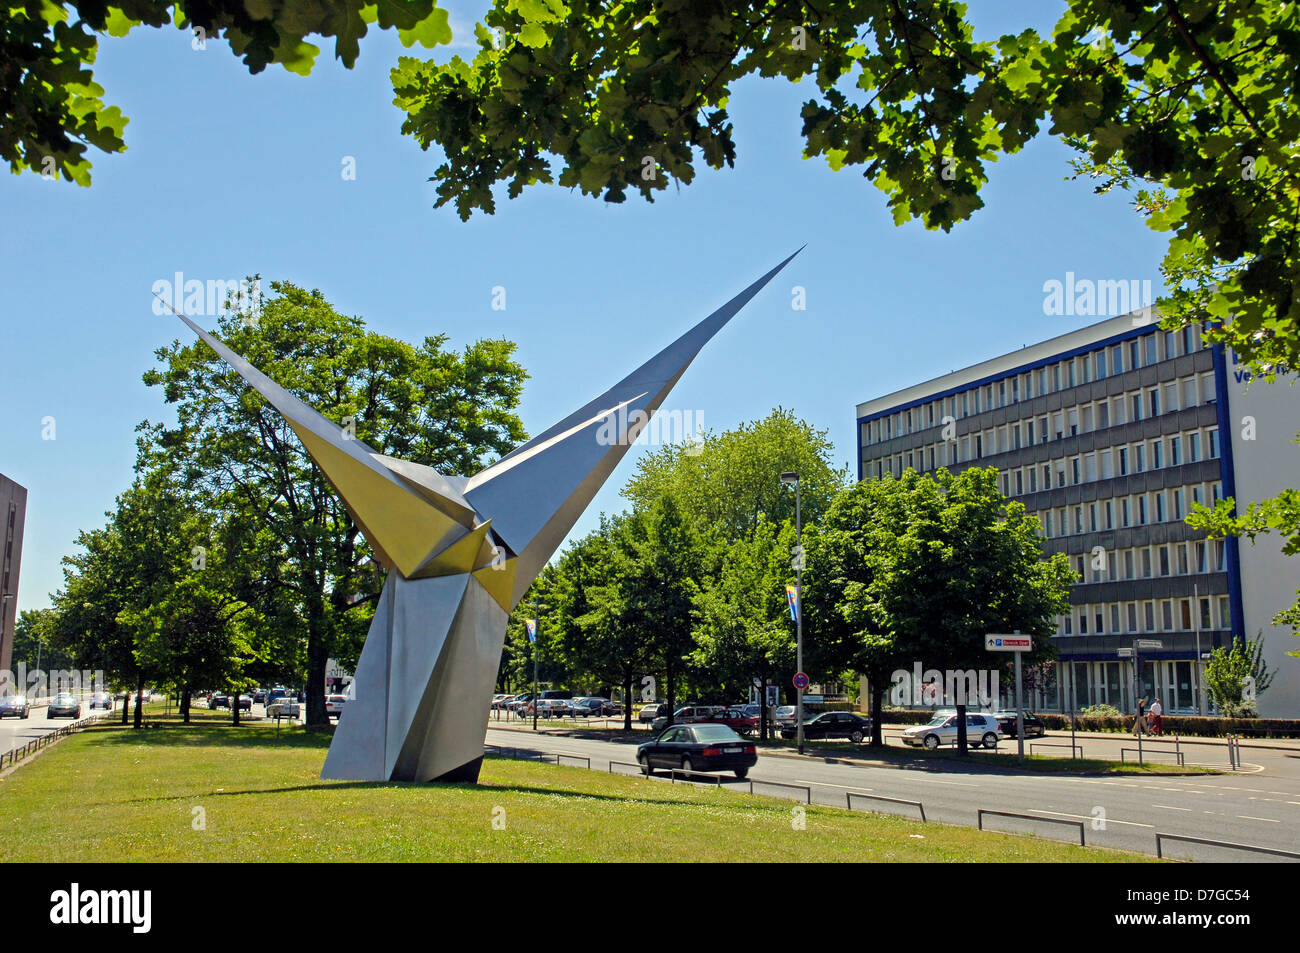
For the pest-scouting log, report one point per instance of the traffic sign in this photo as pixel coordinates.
(1008, 643)
(813, 699)
(1125, 653)
(800, 681)
(1150, 644)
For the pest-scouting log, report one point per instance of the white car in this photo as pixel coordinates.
(981, 729)
(284, 708)
(334, 705)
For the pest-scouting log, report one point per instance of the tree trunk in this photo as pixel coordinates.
(961, 730)
(627, 700)
(317, 658)
(876, 687)
(668, 680)
(185, 704)
(234, 707)
(139, 698)
(126, 707)
(763, 733)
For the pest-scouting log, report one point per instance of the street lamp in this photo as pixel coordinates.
(787, 478)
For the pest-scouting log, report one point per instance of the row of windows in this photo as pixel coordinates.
(1173, 450)
(1134, 618)
(1083, 418)
(1082, 369)
(1140, 509)
(1148, 562)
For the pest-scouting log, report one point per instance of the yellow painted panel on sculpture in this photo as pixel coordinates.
(402, 527)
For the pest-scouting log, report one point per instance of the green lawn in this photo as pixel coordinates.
(115, 794)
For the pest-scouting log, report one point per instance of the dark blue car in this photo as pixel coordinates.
(698, 748)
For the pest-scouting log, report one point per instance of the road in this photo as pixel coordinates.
(1259, 805)
(16, 732)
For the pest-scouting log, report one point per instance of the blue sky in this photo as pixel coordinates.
(229, 174)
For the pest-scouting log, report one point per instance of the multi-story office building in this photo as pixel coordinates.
(1108, 435)
(13, 511)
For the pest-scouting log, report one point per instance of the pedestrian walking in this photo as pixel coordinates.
(1156, 711)
(1140, 723)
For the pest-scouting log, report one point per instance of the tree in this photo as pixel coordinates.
(32, 646)
(52, 110)
(921, 568)
(744, 633)
(1236, 676)
(655, 569)
(425, 403)
(730, 481)
(1188, 105)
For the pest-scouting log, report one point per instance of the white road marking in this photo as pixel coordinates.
(1090, 817)
(1170, 807)
(1247, 817)
(828, 784)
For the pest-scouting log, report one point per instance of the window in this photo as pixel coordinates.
(1125, 513)
(1148, 349)
(1142, 510)
(1117, 359)
(1134, 354)
(1212, 436)
(1146, 564)
(1167, 614)
(1137, 407)
(1141, 458)
(1175, 451)
(1149, 611)
(1103, 415)
(1153, 401)
(1164, 560)
(1160, 507)
(1193, 447)
(1157, 454)
(1132, 617)
(1180, 504)
(1128, 564)
(1101, 365)
(1123, 461)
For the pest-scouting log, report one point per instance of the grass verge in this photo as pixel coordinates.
(212, 792)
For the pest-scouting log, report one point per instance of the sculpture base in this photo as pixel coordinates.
(423, 686)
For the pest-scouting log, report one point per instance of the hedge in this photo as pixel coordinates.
(1192, 725)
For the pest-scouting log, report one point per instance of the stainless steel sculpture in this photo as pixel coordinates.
(460, 554)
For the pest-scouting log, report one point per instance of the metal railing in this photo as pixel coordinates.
(979, 821)
(36, 744)
(1048, 744)
(807, 789)
(1218, 843)
(850, 795)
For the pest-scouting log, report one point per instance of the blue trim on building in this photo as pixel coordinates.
(1227, 475)
(1011, 372)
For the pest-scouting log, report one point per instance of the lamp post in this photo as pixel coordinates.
(787, 478)
(537, 625)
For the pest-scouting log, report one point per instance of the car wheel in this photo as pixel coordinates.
(931, 742)
(990, 740)
(741, 773)
(687, 766)
(856, 736)
(645, 765)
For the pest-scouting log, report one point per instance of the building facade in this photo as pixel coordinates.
(13, 511)
(1108, 435)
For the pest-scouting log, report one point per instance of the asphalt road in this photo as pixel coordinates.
(1259, 805)
(16, 732)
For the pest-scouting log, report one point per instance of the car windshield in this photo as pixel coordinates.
(714, 733)
(63, 698)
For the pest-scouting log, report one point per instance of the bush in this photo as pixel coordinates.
(1101, 711)
(1206, 727)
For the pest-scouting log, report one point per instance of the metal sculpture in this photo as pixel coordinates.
(460, 554)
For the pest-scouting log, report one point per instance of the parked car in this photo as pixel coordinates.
(685, 716)
(833, 724)
(259, 696)
(612, 708)
(981, 729)
(16, 706)
(556, 694)
(651, 712)
(101, 700)
(245, 702)
(275, 695)
(334, 705)
(218, 700)
(285, 706)
(520, 702)
(698, 748)
(784, 716)
(589, 707)
(735, 719)
(1034, 727)
(64, 705)
(552, 707)
(500, 701)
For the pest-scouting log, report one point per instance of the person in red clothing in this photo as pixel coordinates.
(1156, 711)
